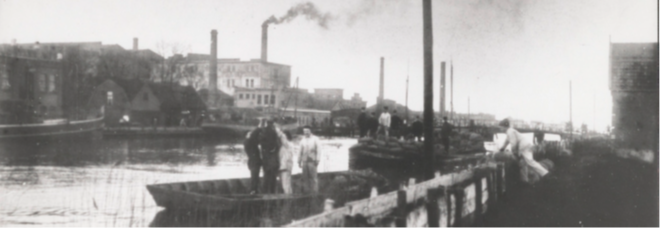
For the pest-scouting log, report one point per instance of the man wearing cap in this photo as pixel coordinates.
(270, 143)
(251, 146)
(396, 123)
(417, 128)
(384, 121)
(446, 131)
(522, 149)
(308, 159)
(362, 122)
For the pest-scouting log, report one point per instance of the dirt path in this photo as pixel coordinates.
(591, 188)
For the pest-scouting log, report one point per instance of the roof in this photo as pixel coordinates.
(323, 104)
(635, 50)
(131, 86)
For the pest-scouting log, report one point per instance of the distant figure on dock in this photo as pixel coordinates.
(251, 146)
(286, 161)
(417, 128)
(446, 131)
(362, 123)
(521, 149)
(373, 125)
(396, 124)
(384, 121)
(270, 143)
(308, 159)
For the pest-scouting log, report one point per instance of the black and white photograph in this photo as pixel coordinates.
(329, 113)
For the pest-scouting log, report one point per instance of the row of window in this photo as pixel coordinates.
(259, 98)
(4, 80)
(46, 83)
(250, 83)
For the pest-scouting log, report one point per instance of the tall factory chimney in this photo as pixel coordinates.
(135, 43)
(213, 64)
(442, 96)
(265, 42)
(379, 104)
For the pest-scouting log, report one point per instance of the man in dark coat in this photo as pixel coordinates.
(417, 128)
(251, 146)
(362, 122)
(396, 123)
(270, 143)
(446, 131)
(373, 124)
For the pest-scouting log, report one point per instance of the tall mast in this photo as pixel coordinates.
(296, 100)
(407, 92)
(451, 90)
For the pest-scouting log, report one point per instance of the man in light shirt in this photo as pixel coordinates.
(384, 120)
(522, 149)
(308, 159)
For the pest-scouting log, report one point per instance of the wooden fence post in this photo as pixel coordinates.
(459, 205)
(501, 179)
(477, 214)
(433, 212)
(400, 220)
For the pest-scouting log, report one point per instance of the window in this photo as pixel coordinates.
(51, 83)
(259, 99)
(247, 82)
(145, 97)
(252, 83)
(109, 98)
(272, 99)
(240, 96)
(4, 80)
(41, 82)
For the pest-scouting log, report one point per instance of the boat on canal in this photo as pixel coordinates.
(234, 194)
(50, 128)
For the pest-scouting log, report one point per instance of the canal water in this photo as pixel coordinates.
(101, 182)
(83, 182)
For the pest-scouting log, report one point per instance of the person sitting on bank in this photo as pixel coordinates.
(384, 121)
(522, 149)
(308, 159)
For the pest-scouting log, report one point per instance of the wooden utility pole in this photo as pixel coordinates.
(428, 54)
(571, 122)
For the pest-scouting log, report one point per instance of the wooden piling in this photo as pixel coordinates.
(428, 114)
(433, 210)
(400, 219)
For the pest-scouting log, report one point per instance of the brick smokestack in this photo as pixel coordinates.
(135, 44)
(380, 100)
(442, 96)
(265, 42)
(213, 65)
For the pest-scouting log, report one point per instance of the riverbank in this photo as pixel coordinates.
(591, 188)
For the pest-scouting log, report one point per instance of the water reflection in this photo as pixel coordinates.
(82, 181)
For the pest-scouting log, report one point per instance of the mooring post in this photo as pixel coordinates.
(477, 214)
(459, 199)
(500, 178)
(433, 211)
(400, 220)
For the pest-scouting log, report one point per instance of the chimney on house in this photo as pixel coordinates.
(213, 64)
(135, 43)
(265, 41)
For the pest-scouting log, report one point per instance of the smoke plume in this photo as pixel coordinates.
(307, 9)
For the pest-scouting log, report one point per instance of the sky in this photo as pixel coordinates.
(513, 58)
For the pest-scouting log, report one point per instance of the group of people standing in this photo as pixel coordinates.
(271, 150)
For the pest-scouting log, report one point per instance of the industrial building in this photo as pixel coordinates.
(634, 85)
